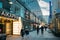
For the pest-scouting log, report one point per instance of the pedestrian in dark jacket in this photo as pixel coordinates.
(45, 26)
(42, 29)
(27, 32)
(37, 29)
(22, 32)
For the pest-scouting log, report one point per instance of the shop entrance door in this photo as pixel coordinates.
(8, 28)
(1, 28)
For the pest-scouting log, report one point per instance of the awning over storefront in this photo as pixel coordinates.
(7, 18)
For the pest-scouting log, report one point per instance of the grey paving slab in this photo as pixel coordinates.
(47, 35)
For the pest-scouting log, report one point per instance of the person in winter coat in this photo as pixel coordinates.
(27, 32)
(42, 29)
(37, 29)
(22, 32)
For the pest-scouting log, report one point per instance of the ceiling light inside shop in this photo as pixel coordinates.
(10, 2)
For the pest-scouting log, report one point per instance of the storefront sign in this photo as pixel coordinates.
(9, 15)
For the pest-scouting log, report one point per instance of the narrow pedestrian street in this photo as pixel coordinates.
(29, 19)
(47, 35)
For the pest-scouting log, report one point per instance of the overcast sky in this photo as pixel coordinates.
(44, 4)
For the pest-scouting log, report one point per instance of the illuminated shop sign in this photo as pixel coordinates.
(9, 15)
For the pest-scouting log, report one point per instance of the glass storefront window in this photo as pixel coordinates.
(22, 12)
(27, 14)
(0, 29)
(0, 4)
(32, 17)
(36, 20)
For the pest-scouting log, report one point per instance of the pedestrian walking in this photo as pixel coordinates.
(42, 29)
(37, 29)
(45, 28)
(27, 32)
(22, 32)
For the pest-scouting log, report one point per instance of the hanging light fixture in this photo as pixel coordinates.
(10, 2)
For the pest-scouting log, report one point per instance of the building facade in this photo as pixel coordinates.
(55, 6)
(15, 16)
(55, 23)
